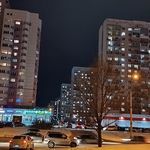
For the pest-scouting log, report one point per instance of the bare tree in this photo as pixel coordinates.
(101, 91)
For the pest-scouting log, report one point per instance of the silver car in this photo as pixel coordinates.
(21, 142)
(36, 137)
(54, 138)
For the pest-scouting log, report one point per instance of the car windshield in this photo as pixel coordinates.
(56, 135)
(33, 134)
(19, 137)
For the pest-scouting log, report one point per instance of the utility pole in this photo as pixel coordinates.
(131, 118)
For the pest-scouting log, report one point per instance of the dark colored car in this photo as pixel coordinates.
(8, 124)
(138, 140)
(88, 139)
(1, 124)
(18, 124)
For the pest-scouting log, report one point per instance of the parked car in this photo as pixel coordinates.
(112, 128)
(54, 138)
(18, 124)
(138, 140)
(8, 124)
(35, 136)
(1, 124)
(21, 142)
(88, 138)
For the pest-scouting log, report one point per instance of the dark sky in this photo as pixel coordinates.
(70, 35)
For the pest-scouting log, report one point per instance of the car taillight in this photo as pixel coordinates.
(24, 141)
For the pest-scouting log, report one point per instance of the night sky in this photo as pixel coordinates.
(70, 35)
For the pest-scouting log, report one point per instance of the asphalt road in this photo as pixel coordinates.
(41, 146)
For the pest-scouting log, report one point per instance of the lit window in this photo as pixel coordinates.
(129, 70)
(116, 59)
(122, 103)
(12, 80)
(16, 41)
(16, 47)
(18, 22)
(122, 59)
(123, 34)
(142, 56)
(14, 60)
(122, 76)
(110, 48)
(110, 38)
(136, 66)
(6, 79)
(123, 49)
(15, 54)
(123, 65)
(130, 29)
(129, 55)
(129, 65)
(122, 70)
(109, 58)
(110, 43)
(3, 64)
(129, 76)
(0, 3)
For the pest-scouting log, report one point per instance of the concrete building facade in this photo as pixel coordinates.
(83, 94)
(19, 58)
(66, 102)
(126, 46)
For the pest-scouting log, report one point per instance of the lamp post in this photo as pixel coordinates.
(131, 120)
(135, 77)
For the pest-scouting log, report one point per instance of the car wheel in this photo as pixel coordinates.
(51, 144)
(72, 144)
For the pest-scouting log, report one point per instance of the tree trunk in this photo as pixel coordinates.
(99, 134)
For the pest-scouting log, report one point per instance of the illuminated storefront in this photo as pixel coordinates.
(25, 116)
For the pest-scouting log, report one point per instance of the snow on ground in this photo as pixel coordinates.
(115, 136)
(117, 147)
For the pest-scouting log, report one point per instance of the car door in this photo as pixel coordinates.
(63, 140)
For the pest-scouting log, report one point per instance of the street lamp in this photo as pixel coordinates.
(135, 77)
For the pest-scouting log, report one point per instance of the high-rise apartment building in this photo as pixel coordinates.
(126, 46)
(19, 58)
(66, 102)
(3, 5)
(83, 94)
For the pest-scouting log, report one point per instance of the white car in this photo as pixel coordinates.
(21, 142)
(54, 138)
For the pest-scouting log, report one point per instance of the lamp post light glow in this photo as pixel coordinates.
(135, 77)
